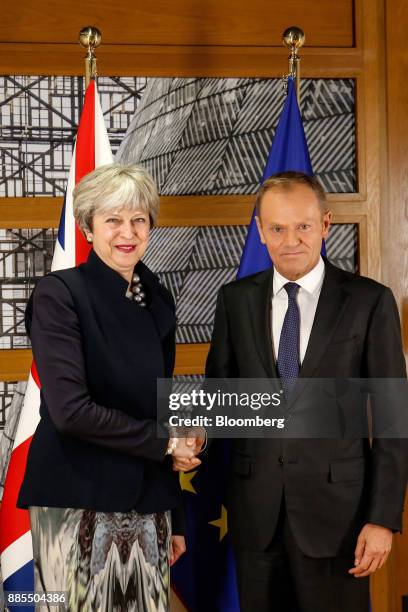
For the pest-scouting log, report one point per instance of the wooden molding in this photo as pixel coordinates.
(393, 246)
(228, 38)
(182, 61)
(15, 364)
(179, 22)
(30, 212)
(190, 358)
(180, 211)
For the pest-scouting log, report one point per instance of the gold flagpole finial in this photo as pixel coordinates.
(90, 38)
(294, 39)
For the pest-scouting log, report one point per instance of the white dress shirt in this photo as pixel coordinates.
(307, 298)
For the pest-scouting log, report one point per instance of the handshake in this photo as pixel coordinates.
(184, 449)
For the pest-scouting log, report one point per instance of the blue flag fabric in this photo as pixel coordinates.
(204, 577)
(288, 152)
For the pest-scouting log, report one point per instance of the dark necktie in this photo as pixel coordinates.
(288, 354)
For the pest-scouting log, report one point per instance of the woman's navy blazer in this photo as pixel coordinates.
(98, 356)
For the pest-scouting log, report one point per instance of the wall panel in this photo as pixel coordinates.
(394, 213)
(179, 22)
(344, 39)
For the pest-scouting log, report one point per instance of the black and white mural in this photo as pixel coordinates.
(212, 136)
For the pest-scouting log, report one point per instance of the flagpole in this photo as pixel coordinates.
(90, 38)
(294, 39)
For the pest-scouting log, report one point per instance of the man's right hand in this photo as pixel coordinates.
(184, 454)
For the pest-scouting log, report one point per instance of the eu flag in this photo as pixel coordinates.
(204, 577)
(288, 152)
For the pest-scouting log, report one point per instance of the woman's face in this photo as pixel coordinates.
(120, 238)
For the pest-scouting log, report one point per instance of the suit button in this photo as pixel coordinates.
(281, 460)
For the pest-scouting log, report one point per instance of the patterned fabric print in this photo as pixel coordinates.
(288, 354)
(106, 561)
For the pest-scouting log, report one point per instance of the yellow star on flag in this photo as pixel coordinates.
(221, 523)
(185, 481)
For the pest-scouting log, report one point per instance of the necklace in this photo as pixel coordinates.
(135, 291)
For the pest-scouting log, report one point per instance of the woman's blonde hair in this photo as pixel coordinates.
(112, 187)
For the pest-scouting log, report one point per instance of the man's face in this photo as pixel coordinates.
(292, 227)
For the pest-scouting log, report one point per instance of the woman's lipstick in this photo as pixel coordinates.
(126, 248)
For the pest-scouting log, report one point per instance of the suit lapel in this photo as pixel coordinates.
(259, 303)
(332, 302)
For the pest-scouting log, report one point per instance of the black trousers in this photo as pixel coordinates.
(283, 579)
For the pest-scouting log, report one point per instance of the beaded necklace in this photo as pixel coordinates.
(135, 291)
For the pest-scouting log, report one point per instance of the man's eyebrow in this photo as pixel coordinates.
(307, 220)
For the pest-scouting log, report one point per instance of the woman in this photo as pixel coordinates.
(99, 482)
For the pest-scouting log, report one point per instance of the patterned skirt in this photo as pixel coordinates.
(104, 561)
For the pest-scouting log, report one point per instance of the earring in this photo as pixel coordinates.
(89, 238)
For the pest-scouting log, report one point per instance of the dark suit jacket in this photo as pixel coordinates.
(331, 487)
(98, 356)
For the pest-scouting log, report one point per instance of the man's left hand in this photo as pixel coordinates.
(372, 550)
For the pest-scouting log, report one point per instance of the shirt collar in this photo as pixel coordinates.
(311, 282)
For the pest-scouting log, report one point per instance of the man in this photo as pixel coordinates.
(310, 519)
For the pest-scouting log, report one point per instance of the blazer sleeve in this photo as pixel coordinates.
(389, 456)
(178, 520)
(221, 361)
(57, 347)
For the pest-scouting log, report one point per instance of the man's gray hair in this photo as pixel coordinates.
(113, 187)
(285, 181)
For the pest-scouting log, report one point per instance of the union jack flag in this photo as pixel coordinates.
(92, 149)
